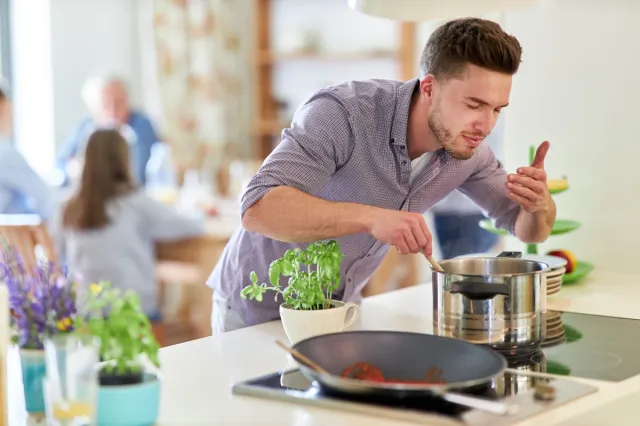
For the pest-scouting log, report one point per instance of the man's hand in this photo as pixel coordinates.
(406, 231)
(529, 186)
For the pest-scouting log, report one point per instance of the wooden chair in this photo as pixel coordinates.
(178, 270)
(25, 233)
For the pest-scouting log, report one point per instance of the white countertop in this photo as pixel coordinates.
(198, 375)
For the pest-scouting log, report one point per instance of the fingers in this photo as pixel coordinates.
(401, 244)
(527, 182)
(541, 153)
(411, 243)
(526, 203)
(427, 249)
(523, 191)
(533, 173)
(413, 236)
(419, 235)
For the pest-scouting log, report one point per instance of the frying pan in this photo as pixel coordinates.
(398, 355)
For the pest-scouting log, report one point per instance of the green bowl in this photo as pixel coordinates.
(557, 191)
(582, 270)
(561, 226)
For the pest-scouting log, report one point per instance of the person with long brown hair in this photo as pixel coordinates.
(108, 228)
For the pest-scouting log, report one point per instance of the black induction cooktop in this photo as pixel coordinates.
(593, 347)
(577, 345)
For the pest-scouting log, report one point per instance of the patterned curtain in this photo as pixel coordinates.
(202, 75)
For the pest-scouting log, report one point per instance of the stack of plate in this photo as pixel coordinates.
(555, 329)
(554, 280)
(554, 276)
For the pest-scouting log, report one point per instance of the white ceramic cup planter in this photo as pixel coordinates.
(302, 324)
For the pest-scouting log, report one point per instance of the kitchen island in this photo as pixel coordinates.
(198, 375)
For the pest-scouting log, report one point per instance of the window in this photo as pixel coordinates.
(32, 82)
(5, 40)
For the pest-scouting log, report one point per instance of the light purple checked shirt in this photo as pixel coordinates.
(348, 143)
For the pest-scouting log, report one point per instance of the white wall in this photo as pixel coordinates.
(578, 88)
(341, 30)
(90, 36)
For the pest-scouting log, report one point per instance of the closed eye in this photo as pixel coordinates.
(474, 107)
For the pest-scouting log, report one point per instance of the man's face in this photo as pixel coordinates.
(464, 110)
(114, 106)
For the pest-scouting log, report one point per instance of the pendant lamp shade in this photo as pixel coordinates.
(427, 10)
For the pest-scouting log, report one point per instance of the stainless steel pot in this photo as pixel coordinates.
(507, 385)
(495, 301)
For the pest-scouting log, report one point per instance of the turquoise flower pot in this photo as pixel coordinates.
(33, 371)
(130, 405)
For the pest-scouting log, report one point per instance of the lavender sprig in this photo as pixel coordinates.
(42, 303)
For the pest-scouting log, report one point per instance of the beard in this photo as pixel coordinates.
(445, 138)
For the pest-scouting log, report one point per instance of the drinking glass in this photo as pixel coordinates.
(71, 383)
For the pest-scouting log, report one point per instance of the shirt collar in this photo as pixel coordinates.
(400, 122)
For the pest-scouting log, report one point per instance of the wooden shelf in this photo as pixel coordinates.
(266, 57)
(267, 127)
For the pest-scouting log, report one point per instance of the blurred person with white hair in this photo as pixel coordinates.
(108, 102)
(22, 190)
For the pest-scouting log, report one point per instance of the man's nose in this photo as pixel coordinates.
(485, 125)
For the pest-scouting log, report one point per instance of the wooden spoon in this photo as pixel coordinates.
(302, 359)
(435, 264)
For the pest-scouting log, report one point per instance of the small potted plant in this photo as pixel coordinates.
(42, 304)
(307, 307)
(129, 391)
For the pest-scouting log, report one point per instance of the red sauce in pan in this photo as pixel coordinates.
(369, 372)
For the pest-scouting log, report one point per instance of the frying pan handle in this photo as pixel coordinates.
(513, 254)
(479, 290)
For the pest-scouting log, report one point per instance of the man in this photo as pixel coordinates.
(456, 218)
(108, 102)
(364, 160)
(22, 190)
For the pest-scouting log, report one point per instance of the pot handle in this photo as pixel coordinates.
(514, 254)
(479, 290)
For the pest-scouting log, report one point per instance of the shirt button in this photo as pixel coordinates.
(349, 279)
(392, 140)
(404, 162)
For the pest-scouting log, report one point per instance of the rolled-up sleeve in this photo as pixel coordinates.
(319, 141)
(486, 188)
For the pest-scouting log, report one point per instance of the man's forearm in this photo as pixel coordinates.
(290, 215)
(533, 228)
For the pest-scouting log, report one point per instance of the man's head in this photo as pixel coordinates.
(466, 71)
(107, 99)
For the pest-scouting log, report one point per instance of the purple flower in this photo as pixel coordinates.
(40, 302)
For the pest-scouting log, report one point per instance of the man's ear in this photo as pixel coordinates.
(427, 85)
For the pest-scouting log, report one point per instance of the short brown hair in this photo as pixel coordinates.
(474, 41)
(106, 175)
